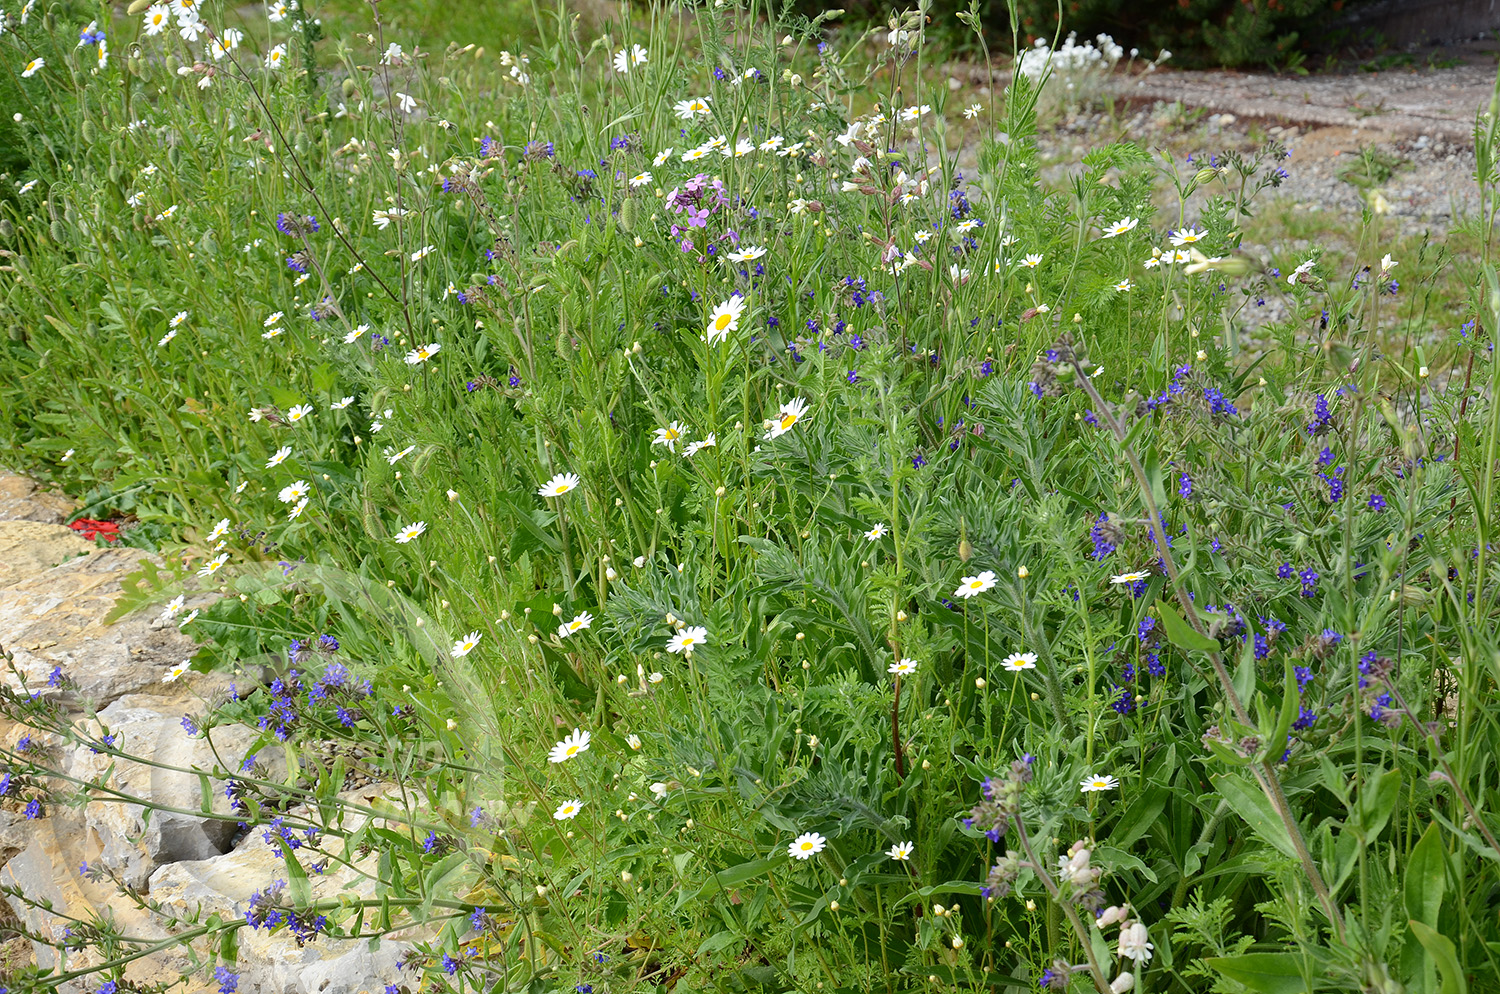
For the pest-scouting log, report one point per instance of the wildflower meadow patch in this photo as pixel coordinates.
(684, 505)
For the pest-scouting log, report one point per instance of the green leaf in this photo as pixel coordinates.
(718, 941)
(1251, 804)
(1181, 633)
(300, 889)
(1291, 704)
(727, 878)
(1426, 877)
(1139, 817)
(1266, 973)
(1442, 950)
(1376, 802)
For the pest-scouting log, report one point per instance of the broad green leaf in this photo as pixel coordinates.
(1426, 877)
(1264, 973)
(1291, 704)
(1376, 801)
(1181, 633)
(1139, 817)
(1251, 804)
(1443, 952)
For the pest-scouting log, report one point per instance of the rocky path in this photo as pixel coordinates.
(55, 590)
(1395, 104)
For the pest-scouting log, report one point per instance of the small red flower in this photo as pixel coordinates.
(91, 529)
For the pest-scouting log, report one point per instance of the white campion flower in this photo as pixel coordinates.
(1135, 943)
(406, 102)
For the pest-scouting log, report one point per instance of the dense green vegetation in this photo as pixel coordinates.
(777, 543)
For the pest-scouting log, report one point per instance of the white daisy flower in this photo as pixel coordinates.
(422, 353)
(568, 810)
(670, 435)
(578, 624)
(214, 565)
(294, 492)
(725, 318)
(278, 457)
(690, 108)
(690, 638)
(792, 412)
(410, 532)
(973, 586)
(559, 485)
(806, 846)
(465, 645)
(570, 746)
(1018, 661)
(693, 448)
(748, 254)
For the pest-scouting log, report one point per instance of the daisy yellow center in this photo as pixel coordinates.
(975, 584)
(722, 322)
(572, 751)
(787, 420)
(688, 640)
(670, 433)
(806, 847)
(573, 626)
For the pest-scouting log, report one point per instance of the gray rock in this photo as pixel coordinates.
(55, 616)
(131, 841)
(272, 963)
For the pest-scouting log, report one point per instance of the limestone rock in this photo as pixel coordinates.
(47, 870)
(131, 843)
(22, 500)
(27, 547)
(55, 617)
(272, 963)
